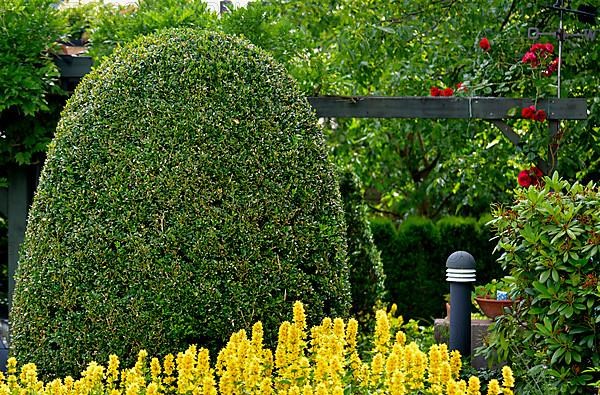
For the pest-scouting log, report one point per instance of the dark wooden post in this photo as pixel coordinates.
(18, 200)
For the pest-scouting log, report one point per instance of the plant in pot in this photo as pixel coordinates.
(493, 297)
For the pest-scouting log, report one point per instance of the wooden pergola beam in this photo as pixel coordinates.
(486, 108)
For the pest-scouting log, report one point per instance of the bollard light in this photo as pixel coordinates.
(460, 273)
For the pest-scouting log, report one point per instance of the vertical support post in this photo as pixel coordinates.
(555, 136)
(460, 273)
(17, 217)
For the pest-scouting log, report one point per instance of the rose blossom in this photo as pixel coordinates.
(484, 44)
(540, 115)
(530, 57)
(447, 92)
(528, 112)
(434, 91)
(524, 179)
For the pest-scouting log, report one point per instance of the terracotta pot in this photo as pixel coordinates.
(492, 307)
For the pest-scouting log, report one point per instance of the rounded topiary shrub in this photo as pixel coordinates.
(187, 194)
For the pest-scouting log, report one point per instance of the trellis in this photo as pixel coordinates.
(15, 201)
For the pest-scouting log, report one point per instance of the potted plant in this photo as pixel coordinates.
(493, 297)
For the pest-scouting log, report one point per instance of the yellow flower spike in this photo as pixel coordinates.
(209, 385)
(257, 337)
(435, 365)
(444, 355)
(326, 324)
(203, 364)
(462, 387)
(307, 390)
(382, 332)
(112, 372)
(474, 386)
(299, 315)
(508, 379)
(337, 390)
(152, 389)
(377, 368)
(11, 365)
(452, 387)
(168, 369)
(455, 363)
(266, 387)
(155, 369)
(282, 343)
(396, 385)
(351, 333)
(321, 389)
(338, 329)
(400, 338)
(445, 373)
(493, 387)
(69, 383)
(268, 362)
(294, 390)
(436, 389)
(168, 364)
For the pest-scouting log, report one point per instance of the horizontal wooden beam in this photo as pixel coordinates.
(442, 107)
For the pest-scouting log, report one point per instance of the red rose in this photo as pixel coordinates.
(524, 179)
(552, 67)
(535, 170)
(549, 47)
(484, 44)
(531, 57)
(528, 112)
(540, 115)
(434, 91)
(447, 92)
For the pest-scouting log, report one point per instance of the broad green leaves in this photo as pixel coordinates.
(550, 239)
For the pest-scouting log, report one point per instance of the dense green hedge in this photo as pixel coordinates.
(366, 269)
(187, 194)
(414, 257)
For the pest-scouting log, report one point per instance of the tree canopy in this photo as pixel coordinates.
(403, 48)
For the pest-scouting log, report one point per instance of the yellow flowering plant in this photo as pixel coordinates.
(321, 361)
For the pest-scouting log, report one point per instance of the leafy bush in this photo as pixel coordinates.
(187, 194)
(117, 25)
(28, 30)
(414, 256)
(550, 238)
(327, 362)
(366, 270)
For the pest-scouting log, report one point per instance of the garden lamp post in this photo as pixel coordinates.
(460, 273)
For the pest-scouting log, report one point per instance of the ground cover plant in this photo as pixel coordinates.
(322, 360)
(187, 194)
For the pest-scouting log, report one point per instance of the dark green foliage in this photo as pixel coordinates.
(414, 259)
(187, 194)
(413, 279)
(366, 270)
(28, 30)
(113, 25)
(474, 236)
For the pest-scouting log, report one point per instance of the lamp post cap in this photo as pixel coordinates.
(460, 260)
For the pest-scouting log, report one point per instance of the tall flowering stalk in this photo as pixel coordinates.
(324, 363)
